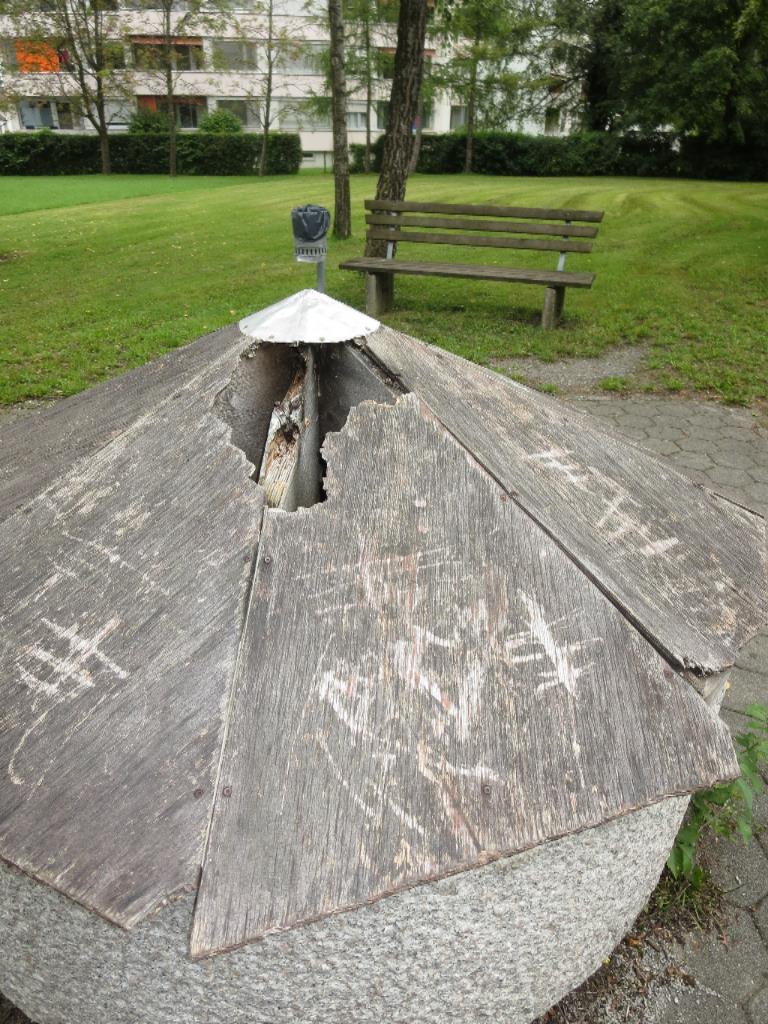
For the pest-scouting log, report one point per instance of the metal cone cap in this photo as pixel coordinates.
(307, 318)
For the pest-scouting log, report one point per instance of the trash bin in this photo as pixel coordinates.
(310, 237)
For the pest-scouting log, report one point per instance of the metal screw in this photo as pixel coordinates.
(267, 559)
(198, 793)
(227, 791)
(486, 789)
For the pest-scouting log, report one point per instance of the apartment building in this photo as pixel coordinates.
(219, 62)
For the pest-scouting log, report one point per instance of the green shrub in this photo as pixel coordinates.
(147, 153)
(45, 152)
(148, 122)
(724, 810)
(221, 122)
(588, 153)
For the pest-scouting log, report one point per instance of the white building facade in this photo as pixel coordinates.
(220, 62)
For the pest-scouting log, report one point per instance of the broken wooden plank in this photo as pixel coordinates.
(124, 592)
(440, 685)
(688, 570)
(347, 378)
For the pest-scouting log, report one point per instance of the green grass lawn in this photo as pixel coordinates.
(100, 274)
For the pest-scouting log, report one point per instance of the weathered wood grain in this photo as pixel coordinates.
(123, 598)
(38, 448)
(484, 210)
(438, 686)
(688, 569)
(372, 264)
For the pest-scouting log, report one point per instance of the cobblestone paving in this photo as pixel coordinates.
(725, 449)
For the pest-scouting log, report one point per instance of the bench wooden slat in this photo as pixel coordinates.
(470, 224)
(590, 216)
(553, 278)
(437, 238)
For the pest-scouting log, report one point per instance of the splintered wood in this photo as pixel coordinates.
(449, 688)
(281, 453)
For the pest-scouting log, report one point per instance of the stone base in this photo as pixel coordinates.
(503, 942)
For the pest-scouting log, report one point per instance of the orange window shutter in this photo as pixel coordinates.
(34, 57)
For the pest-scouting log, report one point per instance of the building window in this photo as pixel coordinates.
(356, 120)
(65, 115)
(149, 53)
(35, 114)
(189, 109)
(552, 121)
(245, 110)
(235, 55)
(117, 113)
(458, 117)
(382, 115)
(303, 59)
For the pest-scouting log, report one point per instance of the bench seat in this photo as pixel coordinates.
(551, 278)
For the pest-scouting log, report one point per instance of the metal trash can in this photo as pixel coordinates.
(310, 237)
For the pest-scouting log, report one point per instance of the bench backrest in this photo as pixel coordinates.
(449, 224)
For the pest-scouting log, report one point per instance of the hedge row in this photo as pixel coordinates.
(46, 152)
(589, 153)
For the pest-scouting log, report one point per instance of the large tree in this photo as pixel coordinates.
(342, 216)
(577, 61)
(700, 68)
(484, 37)
(403, 106)
(80, 42)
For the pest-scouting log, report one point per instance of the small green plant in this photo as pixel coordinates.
(614, 384)
(220, 122)
(148, 122)
(549, 389)
(724, 810)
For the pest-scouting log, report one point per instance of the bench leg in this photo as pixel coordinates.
(379, 293)
(554, 300)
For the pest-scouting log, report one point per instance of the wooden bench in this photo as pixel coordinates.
(480, 226)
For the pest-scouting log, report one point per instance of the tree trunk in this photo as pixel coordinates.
(106, 163)
(469, 152)
(169, 85)
(267, 115)
(406, 87)
(171, 122)
(416, 148)
(267, 120)
(101, 126)
(342, 218)
(368, 96)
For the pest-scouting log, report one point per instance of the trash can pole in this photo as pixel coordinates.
(321, 276)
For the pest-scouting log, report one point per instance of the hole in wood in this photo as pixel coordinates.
(282, 401)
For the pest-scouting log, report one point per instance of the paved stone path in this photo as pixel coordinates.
(725, 449)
